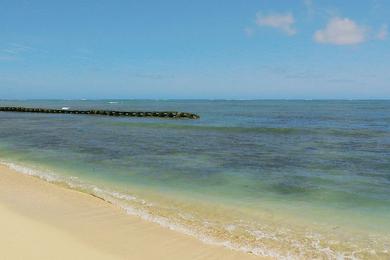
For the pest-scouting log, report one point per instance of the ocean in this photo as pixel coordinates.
(290, 179)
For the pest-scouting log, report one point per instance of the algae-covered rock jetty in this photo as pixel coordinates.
(156, 114)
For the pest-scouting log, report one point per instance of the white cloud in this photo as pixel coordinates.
(341, 31)
(283, 22)
(383, 32)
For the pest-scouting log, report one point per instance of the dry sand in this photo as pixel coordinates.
(39, 220)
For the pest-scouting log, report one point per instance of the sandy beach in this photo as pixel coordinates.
(39, 220)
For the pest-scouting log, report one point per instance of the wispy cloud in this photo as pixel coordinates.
(383, 32)
(7, 57)
(341, 31)
(282, 22)
(309, 5)
(83, 55)
(249, 31)
(376, 6)
(152, 76)
(16, 48)
(13, 51)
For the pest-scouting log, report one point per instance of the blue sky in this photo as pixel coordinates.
(248, 49)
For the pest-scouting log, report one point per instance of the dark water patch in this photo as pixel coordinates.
(296, 185)
(226, 129)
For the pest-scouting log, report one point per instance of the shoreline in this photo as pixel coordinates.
(76, 225)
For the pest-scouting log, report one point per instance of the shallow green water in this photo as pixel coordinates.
(284, 178)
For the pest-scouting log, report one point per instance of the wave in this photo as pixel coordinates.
(285, 243)
(115, 197)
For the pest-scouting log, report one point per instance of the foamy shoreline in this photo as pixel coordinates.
(42, 220)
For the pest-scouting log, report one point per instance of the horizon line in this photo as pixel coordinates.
(196, 99)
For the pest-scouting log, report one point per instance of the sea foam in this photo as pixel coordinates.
(122, 201)
(115, 198)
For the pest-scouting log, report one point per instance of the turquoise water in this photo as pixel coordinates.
(298, 179)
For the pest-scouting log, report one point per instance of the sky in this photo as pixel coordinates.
(204, 49)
